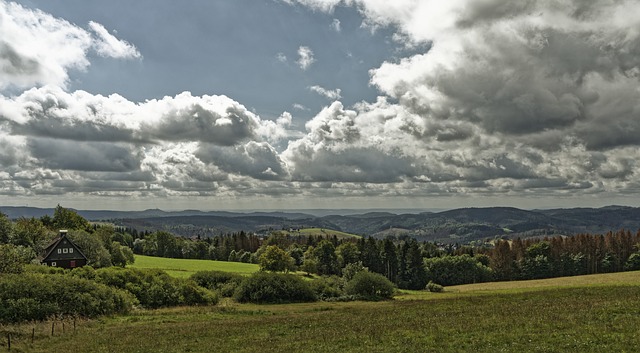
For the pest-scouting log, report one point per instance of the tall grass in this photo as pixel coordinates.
(582, 318)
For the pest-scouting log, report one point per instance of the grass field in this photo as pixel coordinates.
(186, 267)
(581, 314)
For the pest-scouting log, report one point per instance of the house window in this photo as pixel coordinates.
(59, 251)
(70, 250)
(53, 264)
(72, 263)
(65, 251)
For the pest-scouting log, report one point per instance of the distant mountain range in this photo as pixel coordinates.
(460, 225)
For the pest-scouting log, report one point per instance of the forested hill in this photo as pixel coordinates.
(459, 225)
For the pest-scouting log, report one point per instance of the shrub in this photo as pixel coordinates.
(267, 287)
(13, 258)
(351, 269)
(45, 270)
(454, 270)
(633, 263)
(370, 286)
(327, 287)
(192, 294)
(38, 297)
(155, 288)
(224, 283)
(434, 287)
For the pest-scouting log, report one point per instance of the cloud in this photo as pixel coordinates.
(257, 160)
(38, 49)
(299, 106)
(305, 57)
(526, 99)
(330, 94)
(281, 57)
(53, 142)
(108, 45)
(320, 5)
(335, 25)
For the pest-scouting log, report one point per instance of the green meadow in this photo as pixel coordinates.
(599, 313)
(187, 267)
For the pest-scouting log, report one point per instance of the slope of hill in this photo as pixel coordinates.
(460, 225)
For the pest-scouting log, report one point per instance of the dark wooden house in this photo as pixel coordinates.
(62, 252)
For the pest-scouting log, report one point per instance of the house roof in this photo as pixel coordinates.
(54, 243)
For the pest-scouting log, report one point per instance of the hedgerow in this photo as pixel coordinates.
(32, 296)
(155, 288)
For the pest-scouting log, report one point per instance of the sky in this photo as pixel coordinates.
(310, 104)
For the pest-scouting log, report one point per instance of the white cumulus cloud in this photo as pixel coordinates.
(37, 48)
(305, 57)
(330, 94)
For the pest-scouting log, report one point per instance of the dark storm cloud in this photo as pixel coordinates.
(83, 156)
(351, 165)
(257, 160)
(198, 123)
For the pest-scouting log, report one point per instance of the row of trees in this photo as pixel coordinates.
(565, 256)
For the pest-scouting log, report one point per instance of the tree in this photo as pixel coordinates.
(325, 254)
(120, 255)
(310, 263)
(370, 255)
(92, 247)
(389, 257)
(502, 261)
(296, 253)
(348, 253)
(64, 218)
(275, 259)
(167, 245)
(6, 229)
(413, 275)
(31, 232)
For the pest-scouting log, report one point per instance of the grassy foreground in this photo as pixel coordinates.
(595, 314)
(187, 267)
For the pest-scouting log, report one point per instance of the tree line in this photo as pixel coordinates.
(406, 262)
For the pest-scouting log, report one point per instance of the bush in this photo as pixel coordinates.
(192, 294)
(155, 288)
(45, 270)
(370, 286)
(266, 287)
(328, 287)
(224, 283)
(32, 296)
(434, 287)
(454, 270)
(13, 258)
(633, 263)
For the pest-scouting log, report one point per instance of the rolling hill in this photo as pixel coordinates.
(459, 225)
